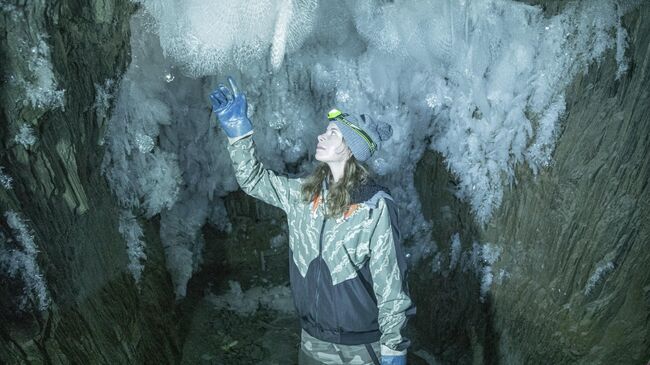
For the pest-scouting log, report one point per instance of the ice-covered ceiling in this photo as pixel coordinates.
(480, 82)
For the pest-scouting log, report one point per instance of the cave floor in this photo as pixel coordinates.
(266, 337)
(220, 336)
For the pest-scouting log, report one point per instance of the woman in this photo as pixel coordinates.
(347, 268)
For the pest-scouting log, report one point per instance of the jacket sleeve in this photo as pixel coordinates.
(254, 179)
(388, 270)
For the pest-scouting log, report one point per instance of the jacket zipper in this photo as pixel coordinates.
(320, 263)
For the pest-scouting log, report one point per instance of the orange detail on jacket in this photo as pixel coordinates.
(316, 202)
(350, 210)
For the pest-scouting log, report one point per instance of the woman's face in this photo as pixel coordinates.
(331, 146)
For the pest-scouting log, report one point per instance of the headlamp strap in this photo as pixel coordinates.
(336, 114)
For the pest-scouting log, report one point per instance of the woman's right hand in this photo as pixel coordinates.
(230, 108)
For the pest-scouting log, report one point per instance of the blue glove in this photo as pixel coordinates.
(230, 107)
(393, 360)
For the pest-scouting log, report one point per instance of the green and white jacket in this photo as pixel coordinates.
(347, 274)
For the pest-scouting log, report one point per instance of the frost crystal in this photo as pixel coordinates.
(5, 180)
(247, 31)
(342, 96)
(621, 45)
(144, 142)
(246, 303)
(380, 166)
(103, 97)
(22, 262)
(455, 251)
(132, 233)
(489, 255)
(539, 153)
(25, 136)
(41, 90)
(479, 261)
(160, 183)
(508, 68)
(432, 101)
(598, 276)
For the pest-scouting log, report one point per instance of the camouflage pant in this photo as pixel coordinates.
(316, 352)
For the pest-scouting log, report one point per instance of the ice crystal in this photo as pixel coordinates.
(135, 245)
(25, 136)
(5, 180)
(22, 262)
(598, 276)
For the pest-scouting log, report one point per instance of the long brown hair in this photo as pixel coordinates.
(339, 193)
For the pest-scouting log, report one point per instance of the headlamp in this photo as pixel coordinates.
(336, 114)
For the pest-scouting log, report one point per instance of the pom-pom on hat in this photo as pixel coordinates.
(362, 134)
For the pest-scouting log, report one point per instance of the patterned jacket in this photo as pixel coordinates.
(347, 274)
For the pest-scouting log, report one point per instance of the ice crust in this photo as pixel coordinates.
(482, 83)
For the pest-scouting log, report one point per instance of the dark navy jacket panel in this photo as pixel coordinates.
(345, 313)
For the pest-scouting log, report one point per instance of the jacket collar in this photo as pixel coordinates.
(369, 193)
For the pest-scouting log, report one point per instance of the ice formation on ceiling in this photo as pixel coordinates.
(481, 82)
(232, 31)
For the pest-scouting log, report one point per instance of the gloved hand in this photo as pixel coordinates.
(230, 107)
(393, 360)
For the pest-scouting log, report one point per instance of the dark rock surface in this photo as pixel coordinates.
(96, 314)
(575, 237)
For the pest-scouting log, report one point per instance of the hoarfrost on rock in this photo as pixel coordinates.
(25, 136)
(22, 262)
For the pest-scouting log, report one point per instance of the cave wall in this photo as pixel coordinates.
(571, 284)
(575, 236)
(575, 285)
(95, 312)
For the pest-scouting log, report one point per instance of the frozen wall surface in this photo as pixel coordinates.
(481, 82)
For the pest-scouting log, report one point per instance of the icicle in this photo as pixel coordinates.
(281, 33)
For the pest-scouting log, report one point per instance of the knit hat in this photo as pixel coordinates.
(362, 134)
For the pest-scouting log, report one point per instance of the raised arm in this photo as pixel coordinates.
(230, 107)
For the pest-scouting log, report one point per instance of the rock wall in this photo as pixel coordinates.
(575, 237)
(571, 283)
(54, 54)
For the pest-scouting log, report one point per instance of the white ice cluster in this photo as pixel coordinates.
(25, 136)
(455, 251)
(28, 74)
(103, 99)
(141, 176)
(490, 253)
(480, 260)
(135, 246)
(21, 262)
(206, 37)
(477, 260)
(598, 276)
(481, 82)
(6, 181)
(41, 90)
(246, 303)
(163, 155)
(180, 230)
